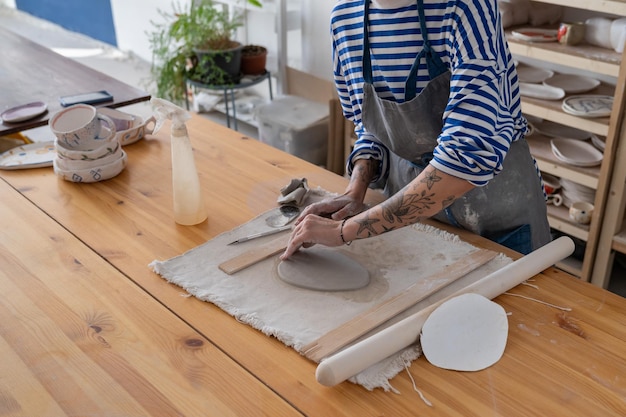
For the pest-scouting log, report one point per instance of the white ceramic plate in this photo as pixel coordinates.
(575, 152)
(541, 91)
(535, 35)
(598, 142)
(33, 155)
(24, 112)
(557, 130)
(588, 105)
(572, 84)
(529, 74)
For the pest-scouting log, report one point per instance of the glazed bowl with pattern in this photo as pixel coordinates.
(93, 174)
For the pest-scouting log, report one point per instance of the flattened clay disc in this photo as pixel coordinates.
(323, 269)
(466, 333)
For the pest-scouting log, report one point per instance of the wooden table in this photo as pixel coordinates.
(30, 72)
(93, 244)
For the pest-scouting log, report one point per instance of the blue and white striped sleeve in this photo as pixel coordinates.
(481, 119)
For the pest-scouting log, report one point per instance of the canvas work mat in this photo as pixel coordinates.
(297, 316)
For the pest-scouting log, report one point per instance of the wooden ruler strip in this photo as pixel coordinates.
(337, 338)
(255, 255)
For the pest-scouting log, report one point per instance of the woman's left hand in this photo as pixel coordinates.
(313, 230)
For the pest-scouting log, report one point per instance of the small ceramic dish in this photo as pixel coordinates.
(588, 105)
(572, 84)
(68, 164)
(541, 91)
(32, 155)
(107, 147)
(530, 74)
(121, 120)
(531, 34)
(93, 174)
(137, 131)
(130, 128)
(24, 112)
(575, 152)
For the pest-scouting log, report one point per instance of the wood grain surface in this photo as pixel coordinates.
(79, 338)
(32, 72)
(548, 368)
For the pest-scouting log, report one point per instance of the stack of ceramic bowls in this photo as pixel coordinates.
(573, 192)
(87, 148)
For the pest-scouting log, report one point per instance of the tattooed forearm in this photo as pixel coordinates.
(365, 170)
(368, 225)
(428, 194)
(431, 177)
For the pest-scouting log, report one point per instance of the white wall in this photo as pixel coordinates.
(308, 43)
(132, 21)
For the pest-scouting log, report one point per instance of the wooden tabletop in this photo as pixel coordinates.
(555, 363)
(30, 72)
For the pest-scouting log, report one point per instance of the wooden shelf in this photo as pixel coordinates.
(559, 220)
(590, 58)
(552, 110)
(619, 242)
(607, 65)
(617, 7)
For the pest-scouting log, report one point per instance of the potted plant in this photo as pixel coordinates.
(196, 44)
(253, 59)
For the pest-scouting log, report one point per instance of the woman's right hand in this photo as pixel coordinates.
(336, 208)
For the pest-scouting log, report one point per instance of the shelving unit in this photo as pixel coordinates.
(606, 63)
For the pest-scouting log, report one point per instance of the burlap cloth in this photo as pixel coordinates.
(297, 316)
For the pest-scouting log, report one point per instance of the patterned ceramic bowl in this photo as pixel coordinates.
(130, 128)
(94, 173)
(106, 147)
(68, 164)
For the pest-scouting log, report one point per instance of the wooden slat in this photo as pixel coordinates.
(334, 340)
(254, 255)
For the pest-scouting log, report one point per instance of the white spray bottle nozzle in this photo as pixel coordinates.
(164, 109)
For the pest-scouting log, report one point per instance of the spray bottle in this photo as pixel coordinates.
(189, 206)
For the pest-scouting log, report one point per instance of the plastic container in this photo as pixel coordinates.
(295, 125)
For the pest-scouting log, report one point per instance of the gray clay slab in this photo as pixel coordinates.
(323, 269)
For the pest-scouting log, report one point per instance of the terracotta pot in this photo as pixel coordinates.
(253, 60)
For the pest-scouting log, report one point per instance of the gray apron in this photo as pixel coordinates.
(510, 209)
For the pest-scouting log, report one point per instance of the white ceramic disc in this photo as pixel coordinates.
(541, 91)
(323, 269)
(465, 333)
(535, 35)
(530, 74)
(33, 155)
(598, 142)
(24, 112)
(588, 105)
(572, 84)
(576, 152)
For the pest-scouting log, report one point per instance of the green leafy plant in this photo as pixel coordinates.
(175, 41)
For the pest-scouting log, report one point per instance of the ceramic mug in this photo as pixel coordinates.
(80, 127)
(555, 199)
(571, 33)
(581, 212)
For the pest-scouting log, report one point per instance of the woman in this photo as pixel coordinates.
(433, 93)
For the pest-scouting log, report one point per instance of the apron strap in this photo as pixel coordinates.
(367, 58)
(434, 64)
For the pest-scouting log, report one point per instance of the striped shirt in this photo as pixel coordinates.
(483, 114)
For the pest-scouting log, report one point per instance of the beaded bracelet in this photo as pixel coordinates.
(341, 233)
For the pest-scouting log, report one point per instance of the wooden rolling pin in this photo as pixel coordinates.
(354, 359)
